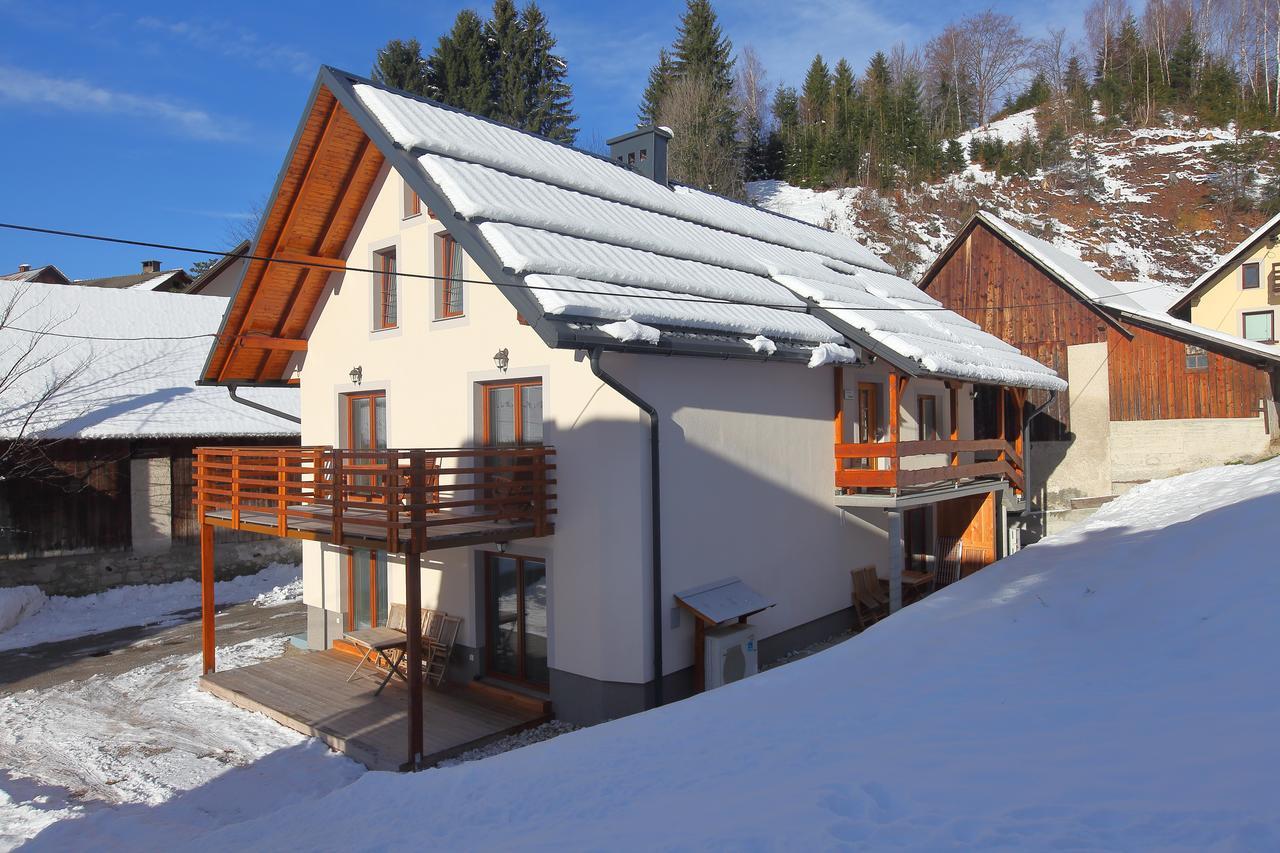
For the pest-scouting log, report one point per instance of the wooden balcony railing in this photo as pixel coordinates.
(396, 500)
(868, 473)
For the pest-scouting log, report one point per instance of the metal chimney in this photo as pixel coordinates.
(643, 150)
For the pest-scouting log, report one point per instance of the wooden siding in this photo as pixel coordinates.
(1150, 381)
(76, 500)
(990, 283)
(321, 193)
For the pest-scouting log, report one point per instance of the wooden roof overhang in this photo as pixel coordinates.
(1244, 355)
(947, 253)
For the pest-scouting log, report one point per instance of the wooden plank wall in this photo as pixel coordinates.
(991, 284)
(972, 520)
(1150, 381)
(77, 501)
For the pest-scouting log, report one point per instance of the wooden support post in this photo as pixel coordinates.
(699, 655)
(413, 654)
(955, 418)
(897, 385)
(207, 641)
(897, 557)
(282, 493)
(336, 497)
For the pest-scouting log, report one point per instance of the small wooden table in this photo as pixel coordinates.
(389, 644)
(916, 582)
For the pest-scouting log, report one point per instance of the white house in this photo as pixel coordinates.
(728, 393)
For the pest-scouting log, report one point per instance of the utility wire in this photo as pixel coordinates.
(339, 266)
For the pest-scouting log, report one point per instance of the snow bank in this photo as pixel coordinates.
(1010, 129)
(1105, 689)
(17, 603)
(63, 617)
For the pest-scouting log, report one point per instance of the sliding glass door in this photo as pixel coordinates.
(367, 589)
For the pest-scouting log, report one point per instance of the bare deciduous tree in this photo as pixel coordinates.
(995, 50)
(695, 155)
(751, 92)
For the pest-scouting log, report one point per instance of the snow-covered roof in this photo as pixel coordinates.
(598, 244)
(162, 280)
(112, 363)
(1143, 302)
(1241, 250)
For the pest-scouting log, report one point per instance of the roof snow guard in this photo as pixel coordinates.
(594, 254)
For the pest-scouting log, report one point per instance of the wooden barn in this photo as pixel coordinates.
(1150, 395)
(99, 418)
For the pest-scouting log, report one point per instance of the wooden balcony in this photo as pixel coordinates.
(400, 501)
(879, 465)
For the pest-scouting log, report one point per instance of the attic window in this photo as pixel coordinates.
(1250, 276)
(1197, 358)
(631, 158)
(412, 204)
(644, 154)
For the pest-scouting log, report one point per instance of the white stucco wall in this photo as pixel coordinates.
(1149, 450)
(1081, 467)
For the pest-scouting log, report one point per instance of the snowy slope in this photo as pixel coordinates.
(1009, 130)
(1109, 688)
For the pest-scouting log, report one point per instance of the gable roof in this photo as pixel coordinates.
(120, 364)
(1242, 250)
(164, 281)
(1142, 303)
(35, 273)
(595, 255)
(216, 268)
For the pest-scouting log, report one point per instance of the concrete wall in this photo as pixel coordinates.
(83, 574)
(1148, 450)
(151, 504)
(1079, 468)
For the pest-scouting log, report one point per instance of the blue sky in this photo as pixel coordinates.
(166, 122)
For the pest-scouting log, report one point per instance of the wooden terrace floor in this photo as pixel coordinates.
(309, 693)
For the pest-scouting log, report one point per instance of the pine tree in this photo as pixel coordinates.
(844, 120)
(660, 76)
(510, 67)
(701, 49)
(458, 71)
(1184, 67)
(550, 96)
(400, 65)
(815, 101)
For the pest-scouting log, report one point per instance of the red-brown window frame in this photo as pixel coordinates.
(519, 385)
(1257, 270)
(349, 413)
(372, 568)
(490, 669)
(412, 203)
(1244, 325)
(445, 285)
(936, 430)
(388, 299)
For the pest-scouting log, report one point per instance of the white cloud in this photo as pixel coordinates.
(236, 42)
(39, 90)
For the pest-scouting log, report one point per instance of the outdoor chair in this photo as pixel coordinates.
(948, 571)
(870, 602)
(437, 646)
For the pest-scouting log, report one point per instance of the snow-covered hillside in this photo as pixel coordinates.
(1109, 688)
(1147, 217)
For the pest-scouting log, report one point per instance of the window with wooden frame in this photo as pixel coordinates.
(1250, 276)
(927, 416)
(412, 204)
(449, 284)
(366, 589)
(512, 413)
(516, 637)
(386, 305)
(1197, 359)
(1258, 326)
(1274, 280)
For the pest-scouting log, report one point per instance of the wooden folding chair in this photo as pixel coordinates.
(439, 648)
(870, 602)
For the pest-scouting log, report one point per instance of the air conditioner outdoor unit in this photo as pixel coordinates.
(729, 654)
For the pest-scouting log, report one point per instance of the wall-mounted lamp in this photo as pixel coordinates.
(501, 359)
(357, 373)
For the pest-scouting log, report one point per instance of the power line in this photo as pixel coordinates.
(339, 266)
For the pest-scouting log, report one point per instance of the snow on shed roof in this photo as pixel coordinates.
(599, 243)
(102, 388)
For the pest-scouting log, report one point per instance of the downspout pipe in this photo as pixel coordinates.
(254, 404)
(655, 513)
(1026, 446)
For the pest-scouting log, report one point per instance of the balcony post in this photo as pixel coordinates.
(207, 640)
(413, 651)
(335, 496)
(897, 557)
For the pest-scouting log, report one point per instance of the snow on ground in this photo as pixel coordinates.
(97, 755)
(1010, 130)
(62, 617)
(1105, 689)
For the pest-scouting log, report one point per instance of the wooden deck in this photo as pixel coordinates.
(309, 693)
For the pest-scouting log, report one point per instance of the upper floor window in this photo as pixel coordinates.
(513, 412)
(927, 417)
(1259, 326)
(449, 289)
(387, 309)
(1250, 276)
(412, 204)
